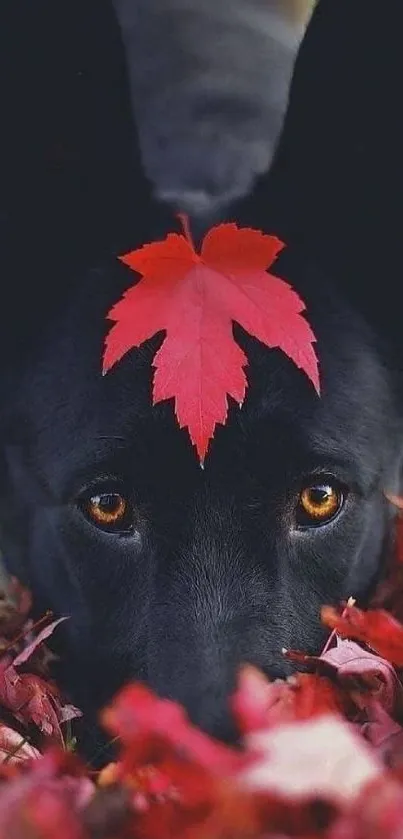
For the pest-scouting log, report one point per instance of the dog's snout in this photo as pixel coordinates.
(205, 696)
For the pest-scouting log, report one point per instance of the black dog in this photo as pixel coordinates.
(177, 575)
(172, 574)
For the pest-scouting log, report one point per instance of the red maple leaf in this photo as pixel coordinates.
(46, 800)
(259, 704)
(28, 696)
(148, 725)
(376, 628)
(195, 298)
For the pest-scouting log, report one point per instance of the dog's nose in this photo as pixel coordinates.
(202, 681)
(209, 712)
(213, 715)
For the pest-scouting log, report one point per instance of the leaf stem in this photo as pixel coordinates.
(184, 220)
(350, 602)
(9, 756)
(25, 632)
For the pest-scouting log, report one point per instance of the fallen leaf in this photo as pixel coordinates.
(46, 801)
(319, 758)
(149, 725)
(373, 685)
(28, 651)
(370, 671)
(14, 747)
(376, 628)
(251, 700)
(376, 813)
(260, 704)
(30, 697)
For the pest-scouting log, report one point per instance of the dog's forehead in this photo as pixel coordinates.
(72, 405)
(69, 394)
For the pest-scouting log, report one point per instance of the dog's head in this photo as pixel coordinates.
(177, 575)
(169, 573)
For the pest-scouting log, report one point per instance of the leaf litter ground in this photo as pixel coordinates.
(321, 755)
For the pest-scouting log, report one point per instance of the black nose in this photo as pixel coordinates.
(203, 686)
(213, 715)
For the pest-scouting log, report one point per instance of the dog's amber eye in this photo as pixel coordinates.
(318, 504)
(108, 510)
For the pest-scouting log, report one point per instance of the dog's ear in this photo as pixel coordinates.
(341, 154)
(335, 188)
(73, 190)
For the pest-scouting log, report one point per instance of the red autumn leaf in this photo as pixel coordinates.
(200, 790)
(149, 725)
(358, 666)
(370, 692)
(348, 663)
(377, 812)
(195, 299)
(46, 801)
(208, 807)
(48, 813)
(259, 704)
(316, 758)
(31, 698)
(251, 699)
(303, 697)
(376, 628)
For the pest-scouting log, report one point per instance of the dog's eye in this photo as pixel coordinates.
(108, 510)
(319, 503)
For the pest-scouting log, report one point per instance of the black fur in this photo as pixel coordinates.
(216, 571)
